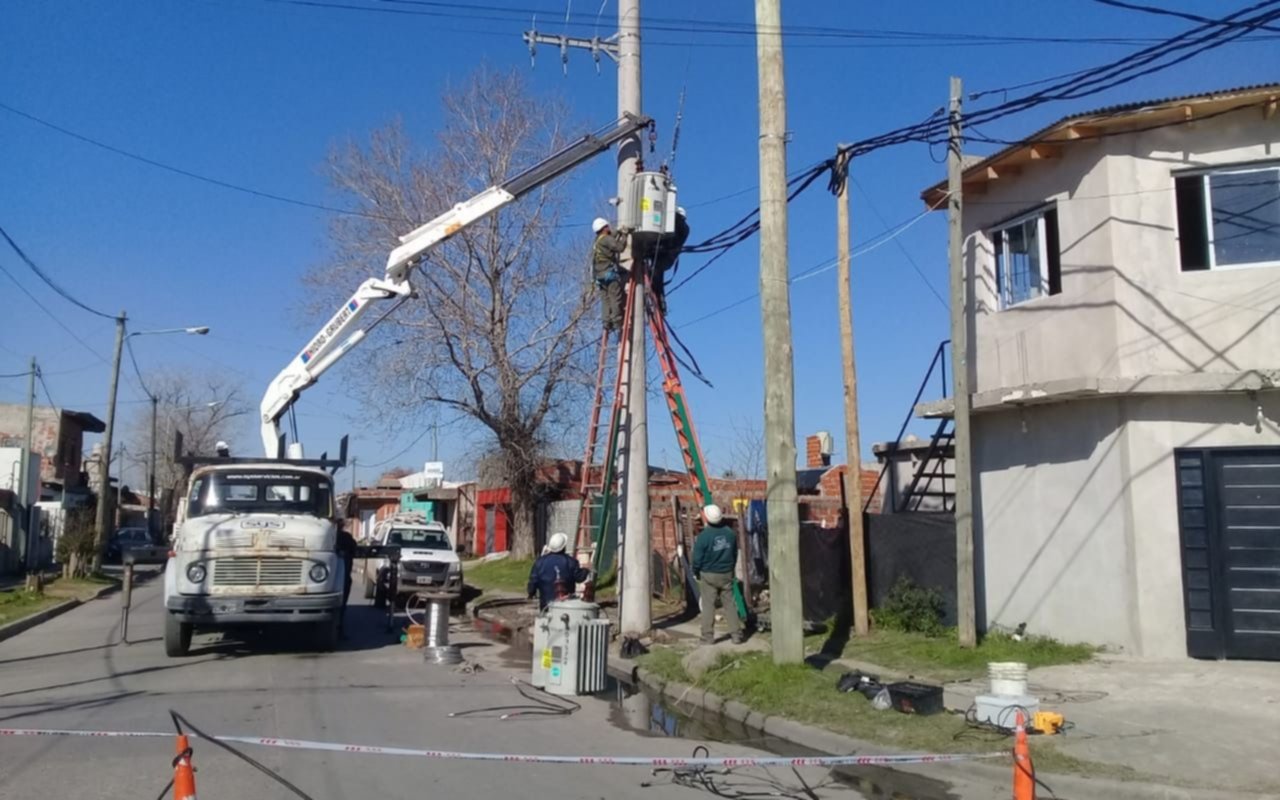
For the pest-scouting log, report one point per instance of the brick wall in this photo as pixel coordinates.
(813, 456)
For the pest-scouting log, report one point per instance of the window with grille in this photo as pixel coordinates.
(1228, 218)
(1027, 257)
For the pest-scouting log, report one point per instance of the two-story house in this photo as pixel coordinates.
(1123, 268)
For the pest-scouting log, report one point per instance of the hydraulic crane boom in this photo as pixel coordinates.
(343, 331)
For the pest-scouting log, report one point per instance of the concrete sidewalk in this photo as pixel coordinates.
(1194, 722)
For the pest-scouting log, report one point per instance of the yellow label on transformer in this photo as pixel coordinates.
(644, 204)
(546, 659)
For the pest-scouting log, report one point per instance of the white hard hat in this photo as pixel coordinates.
(598, 224)
(558, 543)
(680, 211)
(712, 514)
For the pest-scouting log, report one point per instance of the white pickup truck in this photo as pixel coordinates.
(427, 560)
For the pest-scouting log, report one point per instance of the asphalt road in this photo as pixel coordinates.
(73, 673)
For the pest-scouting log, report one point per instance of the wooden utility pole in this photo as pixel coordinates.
(786, 613)
(852, 443)
(101, 526)
(965, 606)
(636, 583)
(28, 538)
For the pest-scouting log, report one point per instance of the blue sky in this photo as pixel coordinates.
(254, 92)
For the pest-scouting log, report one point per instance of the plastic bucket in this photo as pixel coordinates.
(1008, 678)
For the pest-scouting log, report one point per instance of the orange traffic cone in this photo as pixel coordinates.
(184, 775)
(1024, 782)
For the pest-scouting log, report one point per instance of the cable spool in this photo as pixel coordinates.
(436, 621)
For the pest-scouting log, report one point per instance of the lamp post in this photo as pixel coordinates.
(104, 468)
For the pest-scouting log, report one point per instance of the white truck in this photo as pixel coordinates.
(255, 540)
(254, 544)
(427, 560)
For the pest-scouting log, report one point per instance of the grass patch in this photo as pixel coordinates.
(942, 658)
(18, 603)
(503, 575)
(808, 695)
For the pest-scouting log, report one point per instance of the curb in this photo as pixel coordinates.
(16, 627)
(831, 743)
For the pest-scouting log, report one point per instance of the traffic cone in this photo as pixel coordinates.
(1024, 782)
(184, 775)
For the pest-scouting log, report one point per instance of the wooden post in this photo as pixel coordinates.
(965, 595)
(852, 440)
(786, 612)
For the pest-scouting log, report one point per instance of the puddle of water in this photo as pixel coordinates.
(648, 714)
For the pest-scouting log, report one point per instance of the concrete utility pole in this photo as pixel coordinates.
(100, 524)
(151, 472)
(24, 470)
(786, 614)
(852, 443)
(965, 608)
(636, 585)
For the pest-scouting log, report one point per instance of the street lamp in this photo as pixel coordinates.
(104, 468)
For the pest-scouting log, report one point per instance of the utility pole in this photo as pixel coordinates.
(636, 585)
(965, 606)
(104, 466)
(24, 472)
(151, 472)
(786, 614)
(852, 443)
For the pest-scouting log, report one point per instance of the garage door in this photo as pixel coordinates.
(1229, 510)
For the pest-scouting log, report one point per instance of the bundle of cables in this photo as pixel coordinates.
(539, 705)
(731, 784)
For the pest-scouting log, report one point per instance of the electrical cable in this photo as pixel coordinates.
(1168, 12)
(16, 374)
(128, 345)
(188, 174)
(538, 706)
(50, 314)
(179, 721)
(42, 275)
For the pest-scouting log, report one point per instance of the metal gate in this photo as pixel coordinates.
(1229, 515)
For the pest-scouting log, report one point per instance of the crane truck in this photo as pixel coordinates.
(254, 542)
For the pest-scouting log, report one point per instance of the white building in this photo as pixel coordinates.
(1124, 276)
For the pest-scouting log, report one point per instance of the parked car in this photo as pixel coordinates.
(427, 560)
(125, 539)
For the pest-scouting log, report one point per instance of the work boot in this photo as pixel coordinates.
(708, 640)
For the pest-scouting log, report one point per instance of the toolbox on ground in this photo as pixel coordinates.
(910, 697)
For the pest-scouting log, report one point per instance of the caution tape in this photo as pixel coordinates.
(600, 761)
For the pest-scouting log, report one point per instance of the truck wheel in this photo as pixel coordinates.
(327, 636)
(177, 637)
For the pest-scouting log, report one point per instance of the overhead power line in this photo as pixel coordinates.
(57, 320)
(42, 275)
(186, 173)
(1168, 12)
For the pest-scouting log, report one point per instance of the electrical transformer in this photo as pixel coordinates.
(651, 211)
(570, 648)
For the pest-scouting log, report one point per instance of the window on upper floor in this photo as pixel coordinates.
(1027, 257)
(1229, 217)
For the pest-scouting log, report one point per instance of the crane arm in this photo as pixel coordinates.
(344, 330)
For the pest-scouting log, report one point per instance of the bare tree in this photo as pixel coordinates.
(497, 333)
(746, 452)
(206, 408)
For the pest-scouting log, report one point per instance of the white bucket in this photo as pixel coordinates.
(1008, 678)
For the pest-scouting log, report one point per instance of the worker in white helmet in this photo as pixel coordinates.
(555, 573)
(606, 270)
(667, 257)
(715, 555)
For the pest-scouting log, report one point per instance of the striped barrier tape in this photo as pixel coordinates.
(609, 761)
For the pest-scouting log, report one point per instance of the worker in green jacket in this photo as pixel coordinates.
(715, 556)
(606, 270)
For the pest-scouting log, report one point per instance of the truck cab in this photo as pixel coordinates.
(254, 544)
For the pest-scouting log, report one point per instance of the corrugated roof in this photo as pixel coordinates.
(1112, 113)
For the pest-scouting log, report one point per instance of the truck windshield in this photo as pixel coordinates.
(251, 492)
(419, 538)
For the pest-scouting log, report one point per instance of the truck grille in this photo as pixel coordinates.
(255, 571)
(437, 568)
